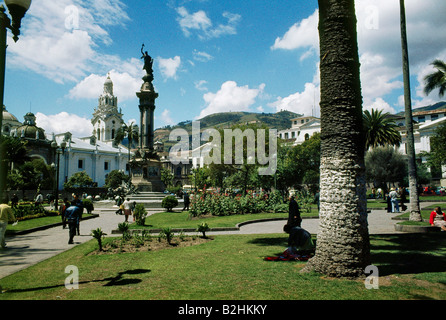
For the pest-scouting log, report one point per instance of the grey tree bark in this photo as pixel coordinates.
(342, 246)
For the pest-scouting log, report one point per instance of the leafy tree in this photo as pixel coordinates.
(166, 177)
(437, 79)
(15, 151)
(115, 178)
(380, 130)
(343, 245)
(79, 180)
(385, 165)
(200, 178)
(131, 133)
(436, 157)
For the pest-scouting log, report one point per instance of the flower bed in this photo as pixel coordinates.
(223, 204)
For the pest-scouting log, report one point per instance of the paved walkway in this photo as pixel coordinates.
(26, 250)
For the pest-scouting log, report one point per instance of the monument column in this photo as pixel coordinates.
(147, 166)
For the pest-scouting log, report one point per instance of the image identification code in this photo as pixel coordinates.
(232, 309)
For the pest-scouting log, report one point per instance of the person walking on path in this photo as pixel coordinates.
(78, 203)
(72, 215)
(6, 216)
(127, 209)
(394, 200)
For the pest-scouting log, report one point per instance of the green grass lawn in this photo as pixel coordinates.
(38, 222)
(232, 267)
(179, 219)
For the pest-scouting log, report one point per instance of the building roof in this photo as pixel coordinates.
(89, 145)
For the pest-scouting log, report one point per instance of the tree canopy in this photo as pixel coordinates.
(380, 129)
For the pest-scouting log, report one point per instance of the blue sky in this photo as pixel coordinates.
(210, 56)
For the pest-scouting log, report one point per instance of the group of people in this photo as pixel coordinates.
(126, 207)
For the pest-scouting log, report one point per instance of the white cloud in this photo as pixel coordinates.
(380, 45)
(125, 86)
(380, 104)
(305, 103)
(169, 67)
(200, 85)
(64, 122)
(230, 97)
(202, 56)
(166, 117)
(303, 34)
(60, 38)
(196, 21)
(202, 24)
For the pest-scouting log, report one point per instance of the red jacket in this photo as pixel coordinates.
(432, 217)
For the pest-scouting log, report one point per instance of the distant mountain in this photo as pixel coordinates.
(224, 120)
(436, 106)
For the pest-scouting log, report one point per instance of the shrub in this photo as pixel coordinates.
(98, 234)
(167, 233)
(169, 203)
(203, 228)
(88, 205)
(140, 214)
(223, 204)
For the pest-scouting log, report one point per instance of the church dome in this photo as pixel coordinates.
(8, 116)
(29, 129)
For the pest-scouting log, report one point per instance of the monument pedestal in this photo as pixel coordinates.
(146, 175)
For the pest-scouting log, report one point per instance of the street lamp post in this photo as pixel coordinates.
(57, 152)
(17, 10)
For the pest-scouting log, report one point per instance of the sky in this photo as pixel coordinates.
(209, 56)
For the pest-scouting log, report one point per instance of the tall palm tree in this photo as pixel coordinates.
(437, 79)
(414, 198)
(380, 129)
(131, 133)
(343, 246)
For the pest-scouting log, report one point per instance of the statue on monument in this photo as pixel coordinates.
(148, 62)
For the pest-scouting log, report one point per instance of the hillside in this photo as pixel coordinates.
(279, 121)
(436, 106)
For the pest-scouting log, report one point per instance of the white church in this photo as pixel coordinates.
(97, 155)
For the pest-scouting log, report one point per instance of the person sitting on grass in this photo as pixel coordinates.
(438, 219)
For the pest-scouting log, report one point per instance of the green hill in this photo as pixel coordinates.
(224, 120)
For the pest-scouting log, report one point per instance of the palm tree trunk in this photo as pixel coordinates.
(414, 206)
(343, 248)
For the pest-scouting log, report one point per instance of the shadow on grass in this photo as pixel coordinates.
(270, 241)
(111, 281)
(414, 253)
(409, 253)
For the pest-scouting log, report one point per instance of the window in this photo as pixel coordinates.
(80, 164)
(421, 119)
(106, 166)
(434, 117)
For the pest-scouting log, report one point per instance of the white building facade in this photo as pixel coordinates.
(302, 129)
(98, 154)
